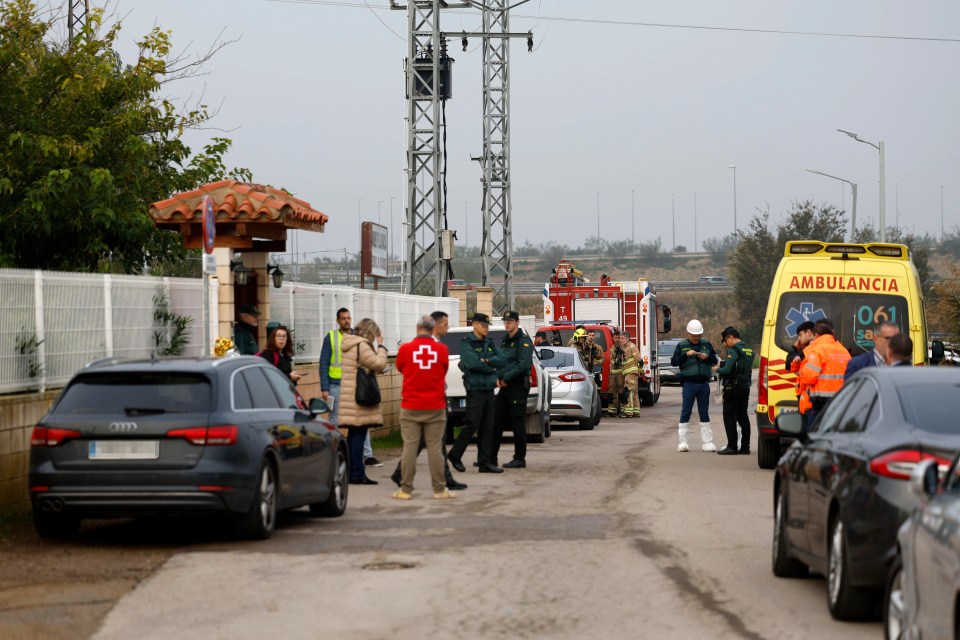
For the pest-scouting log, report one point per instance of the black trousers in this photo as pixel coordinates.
(480, 407)
(735, 411)
(511, 411)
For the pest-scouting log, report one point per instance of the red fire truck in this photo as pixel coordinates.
(569, 300)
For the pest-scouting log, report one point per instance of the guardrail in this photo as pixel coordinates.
(534, 288)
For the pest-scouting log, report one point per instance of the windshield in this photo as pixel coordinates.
(136, 394)
(854, 315)
(560, 359)
(454, 340)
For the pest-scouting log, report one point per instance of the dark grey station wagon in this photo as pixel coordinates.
(229, 436)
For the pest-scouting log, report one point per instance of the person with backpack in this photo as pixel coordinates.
(735, 374)
(279, 351)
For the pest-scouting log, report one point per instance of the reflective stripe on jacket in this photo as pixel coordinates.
(821, 373)
(335, 370)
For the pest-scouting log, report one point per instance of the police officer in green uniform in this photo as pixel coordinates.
(513, 379)
(734, 374)
(479, 360)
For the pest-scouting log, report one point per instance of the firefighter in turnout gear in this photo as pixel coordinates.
(631, 375)
(618, 381)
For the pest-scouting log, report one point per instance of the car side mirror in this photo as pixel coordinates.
(924, 479)
(318, 406)
(667, 319)
(791, 425)
(547, 354)
(937, 352)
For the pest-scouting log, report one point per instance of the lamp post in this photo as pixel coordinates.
(942, 236)
(694, 221)
(898, 205)
(883, 182)
(633, 220)
(598, 220)
(379, 202)
(391, 229)
(673, 221)
(734, 167)
(466, 225)
(853, 187)
(359, 225)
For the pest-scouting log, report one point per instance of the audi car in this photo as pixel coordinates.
(229, 436)
(842, 490)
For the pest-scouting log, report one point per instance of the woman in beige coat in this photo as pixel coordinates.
(365, 346)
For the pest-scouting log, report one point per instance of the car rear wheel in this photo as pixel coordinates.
(768, 453)
(783, 565)
(894, 614)
(336, 502)
(846, 602)
(597, 409)
(258, 523)
(535, 420)
(54, 525)
(547, 426)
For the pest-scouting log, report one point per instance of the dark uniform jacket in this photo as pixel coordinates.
(245, 339)
(517, 355)
(479, 358)
(693, 369)
(737, 368)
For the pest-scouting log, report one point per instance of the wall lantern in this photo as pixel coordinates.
(240, 272)
(276, 274)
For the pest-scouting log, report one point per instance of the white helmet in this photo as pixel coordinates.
(695, 328)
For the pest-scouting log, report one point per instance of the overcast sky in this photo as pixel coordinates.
(313, 98)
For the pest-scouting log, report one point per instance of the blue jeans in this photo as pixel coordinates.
(699, 391)
(335, 393)
(355, 437)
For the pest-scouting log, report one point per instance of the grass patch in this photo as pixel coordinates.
(14, 523)
(392, 441)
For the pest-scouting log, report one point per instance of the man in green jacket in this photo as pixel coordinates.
(735, 374)
(479, 358)
(245, 331)
(513, 378)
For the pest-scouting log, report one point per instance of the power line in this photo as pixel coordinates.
(658, 25)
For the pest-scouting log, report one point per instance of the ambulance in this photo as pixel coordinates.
(856, 286)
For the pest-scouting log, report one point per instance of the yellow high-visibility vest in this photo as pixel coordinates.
(335, 370)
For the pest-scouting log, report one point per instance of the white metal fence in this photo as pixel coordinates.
(53, 323)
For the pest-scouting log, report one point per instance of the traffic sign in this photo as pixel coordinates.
(209, 225)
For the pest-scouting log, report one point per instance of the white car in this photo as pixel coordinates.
(538, 400)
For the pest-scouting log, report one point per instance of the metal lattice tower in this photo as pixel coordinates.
(424, 150)
(497, 247)
(77, 11)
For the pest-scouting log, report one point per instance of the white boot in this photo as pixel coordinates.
(683, 431)
(706, 438)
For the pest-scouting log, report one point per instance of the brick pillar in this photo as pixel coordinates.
(226, 313)
(485, 300)
(459, 291)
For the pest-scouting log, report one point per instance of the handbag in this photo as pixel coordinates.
(368, 391)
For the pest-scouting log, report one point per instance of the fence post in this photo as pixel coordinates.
(38, 321)
(107, 315)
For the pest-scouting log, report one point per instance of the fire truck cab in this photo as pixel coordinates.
(569, 301)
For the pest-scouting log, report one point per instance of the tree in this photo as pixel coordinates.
(918, 247)
(720, 246)
(86, 144)
(757, 256)
(620, 248)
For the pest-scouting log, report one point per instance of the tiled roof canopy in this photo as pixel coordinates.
(248, 216)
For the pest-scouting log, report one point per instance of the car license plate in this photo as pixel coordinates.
(124, 450)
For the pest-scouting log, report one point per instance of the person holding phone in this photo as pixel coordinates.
(279, 351)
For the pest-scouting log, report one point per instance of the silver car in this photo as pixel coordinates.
(924, 581)
(575, 396)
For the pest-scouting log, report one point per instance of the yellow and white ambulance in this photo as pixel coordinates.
(856, 286)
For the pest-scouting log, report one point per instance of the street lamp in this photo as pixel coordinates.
(883, 182)
(853, 186)
(734, 167)
(391, 228)
(694, 221)
(673, 220)
(633, 220)
(598, 218)
(942, 236)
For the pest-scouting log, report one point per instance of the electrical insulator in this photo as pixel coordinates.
(530, 42)
(463, 41)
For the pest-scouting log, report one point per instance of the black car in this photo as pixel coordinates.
(227, 436)
(842, 489)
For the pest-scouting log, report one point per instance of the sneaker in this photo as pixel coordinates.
(446, 494)
(372, 462)
(683, 448)
(400, 494)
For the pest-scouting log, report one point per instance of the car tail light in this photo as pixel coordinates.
(533, 376)
(209, 436)
(572, 376)
(49, 437)
(762, 396)
(898, 464)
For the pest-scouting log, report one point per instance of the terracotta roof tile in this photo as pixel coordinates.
(239, 202)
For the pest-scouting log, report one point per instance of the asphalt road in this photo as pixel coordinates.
(609, 533)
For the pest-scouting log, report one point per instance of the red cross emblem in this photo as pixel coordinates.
(425, 356)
